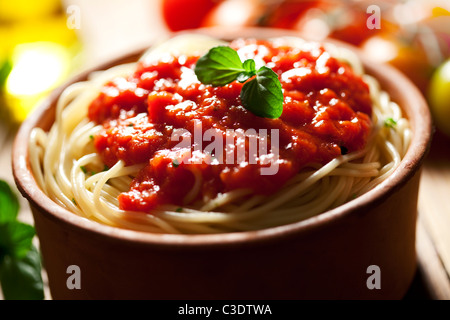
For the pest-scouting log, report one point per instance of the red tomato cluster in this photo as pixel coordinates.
(404, 38)
(340, 19)
(413, 36)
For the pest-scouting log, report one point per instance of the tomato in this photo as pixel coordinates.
(320, 19)
(354, 30)
(439, 97)
(289, 13)
(182, 14)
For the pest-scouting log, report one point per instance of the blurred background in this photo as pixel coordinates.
(43, 43)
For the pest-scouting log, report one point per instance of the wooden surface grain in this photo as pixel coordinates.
(434, 213)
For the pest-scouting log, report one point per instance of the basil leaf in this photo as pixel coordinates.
(249, 66)
(242, 77)
(16, 239)
(263, 95)
(250, 70)
(20, 263)
(220, 66)
(21, 279)
(9, 204)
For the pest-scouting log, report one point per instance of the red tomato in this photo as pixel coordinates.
(355, 30)
(286, 14)
(183, 14)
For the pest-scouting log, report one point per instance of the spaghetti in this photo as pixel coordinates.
(71, 171)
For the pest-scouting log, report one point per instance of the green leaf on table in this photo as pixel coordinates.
(9, 205)
(16, 239)
(21, 278)
(20, 263)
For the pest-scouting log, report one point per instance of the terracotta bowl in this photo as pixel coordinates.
(324, 257)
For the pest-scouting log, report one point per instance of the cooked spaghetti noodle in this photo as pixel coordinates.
(59, 159)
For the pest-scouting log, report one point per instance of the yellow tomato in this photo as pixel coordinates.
(439, 97)
(36, 55)
(37, 68)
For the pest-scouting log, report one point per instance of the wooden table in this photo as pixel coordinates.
(433, 232)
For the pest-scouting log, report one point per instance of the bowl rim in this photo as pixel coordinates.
(417, 111)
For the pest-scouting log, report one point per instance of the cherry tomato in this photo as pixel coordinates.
(354, 29)
(319, 19)
(287, 14)
(183, 14)
(439, 97)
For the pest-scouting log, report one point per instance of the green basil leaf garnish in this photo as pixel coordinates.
(262, 95)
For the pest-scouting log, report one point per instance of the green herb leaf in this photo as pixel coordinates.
(15, 239)
(263, 95)
(390, 123)
(20, 264)
(250, 71)
(21, 278)
(9, 205)
(220, 66)
(249, 66)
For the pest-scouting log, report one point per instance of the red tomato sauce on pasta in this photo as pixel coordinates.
(326, 112)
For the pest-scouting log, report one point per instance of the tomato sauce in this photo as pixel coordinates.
(327, 111)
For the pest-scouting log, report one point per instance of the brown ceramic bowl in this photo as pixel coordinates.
(324, 257)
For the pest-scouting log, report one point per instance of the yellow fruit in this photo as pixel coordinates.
(439, 97)
(20, 10)
(37, 68)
